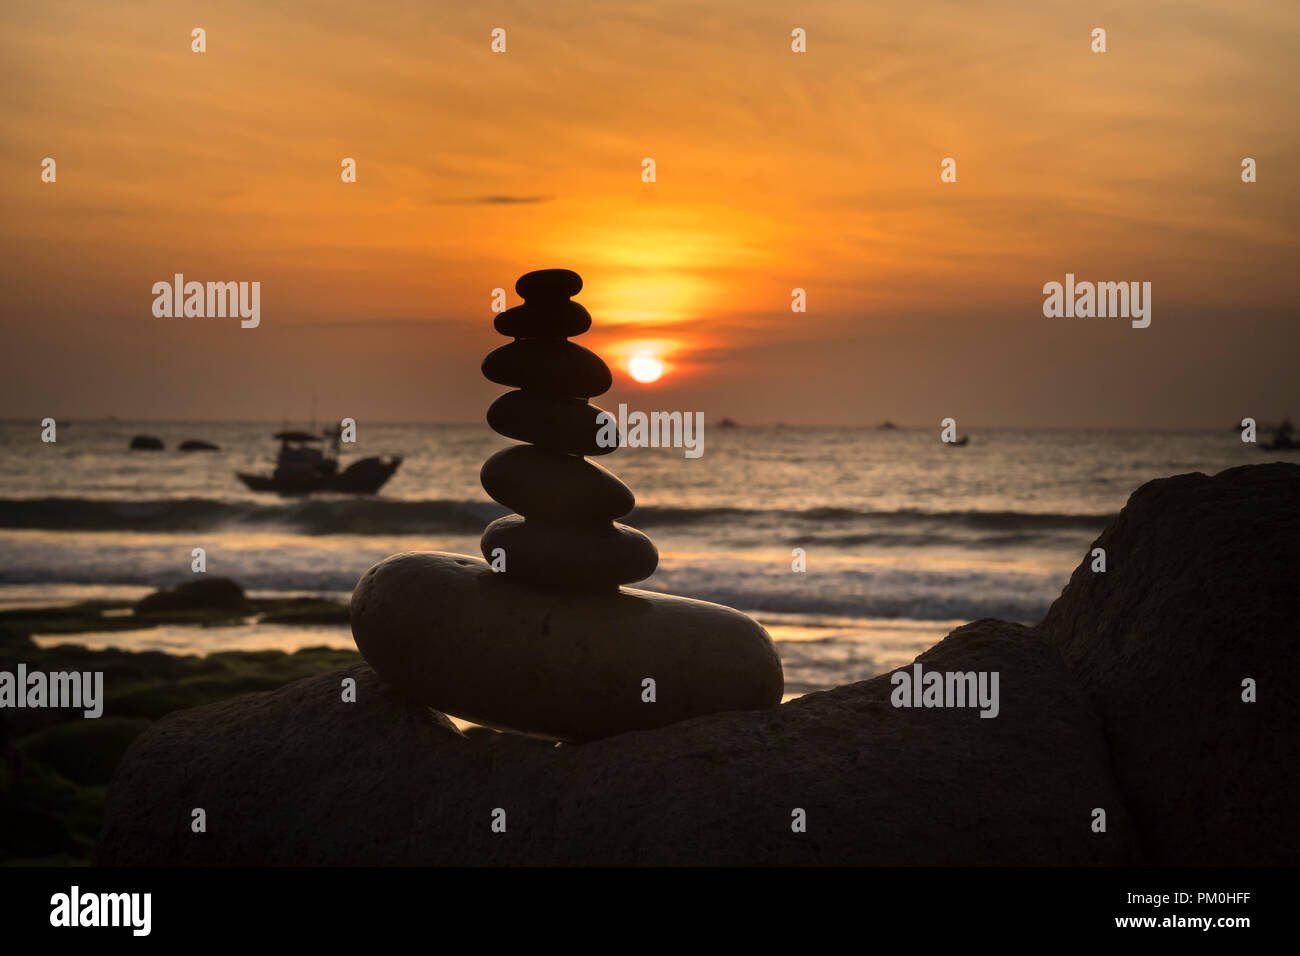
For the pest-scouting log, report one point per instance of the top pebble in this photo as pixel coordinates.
(549, 284)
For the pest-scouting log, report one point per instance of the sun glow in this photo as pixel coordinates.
(645, 368)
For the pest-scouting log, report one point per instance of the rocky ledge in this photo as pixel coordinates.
(1161, 692)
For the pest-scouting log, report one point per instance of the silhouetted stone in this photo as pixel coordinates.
(451, 633)
(297, 778)
(554, 487)
(576, 557)
(549, 284)
(561, 424)
(553, 366)
(201, 595)
(543, 320)
(146, 443)
(566, 537)
(1199, 594)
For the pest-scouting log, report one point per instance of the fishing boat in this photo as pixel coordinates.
(304, 466)
(1283, 438)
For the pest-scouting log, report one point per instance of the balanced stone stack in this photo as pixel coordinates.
(563, 533)
(549, 644)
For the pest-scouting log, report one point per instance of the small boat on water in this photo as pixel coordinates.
(303, 467)
(1283, 438)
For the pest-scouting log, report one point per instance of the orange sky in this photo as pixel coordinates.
(775, 170)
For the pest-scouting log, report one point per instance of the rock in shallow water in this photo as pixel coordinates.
(449, 632)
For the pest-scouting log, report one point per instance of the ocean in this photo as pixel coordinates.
(904, 537)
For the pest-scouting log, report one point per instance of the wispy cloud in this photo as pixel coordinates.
(497, 200)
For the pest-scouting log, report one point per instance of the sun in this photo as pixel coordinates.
(645, 369)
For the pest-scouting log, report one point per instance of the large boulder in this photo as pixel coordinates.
(1199, 595)
(294, 774)
(297, 776)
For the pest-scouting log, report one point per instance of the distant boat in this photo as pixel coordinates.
(887, 425)
(1283, 438)
(195, 444)
(303, 467)
(728, 423)
(146, 443)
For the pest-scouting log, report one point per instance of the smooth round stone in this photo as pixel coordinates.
(448, 632)
(560, 424)
(550, 320)
(549, 284)
(553, 486)
(554, 366)
(572, 557)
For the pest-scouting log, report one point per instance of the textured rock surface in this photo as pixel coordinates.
(1200, 593)
(296, 777)
(270, 770)
(449, 632)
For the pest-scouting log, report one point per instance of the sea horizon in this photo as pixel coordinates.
(34, 421)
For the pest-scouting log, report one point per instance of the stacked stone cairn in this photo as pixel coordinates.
(563, 533)
(550, 644)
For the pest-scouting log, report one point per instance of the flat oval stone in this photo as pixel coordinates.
(549, 284)
(553, 486)
(448, 632)
(603, 556)
(561, 424)
(551, 320)
(554, 366)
